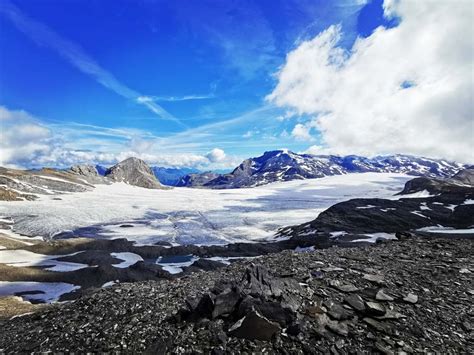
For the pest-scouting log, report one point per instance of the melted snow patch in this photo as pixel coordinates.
(24, 258)
(446, 230)
(372, 238)
(36, 291)
(468, 202)
(128, 258)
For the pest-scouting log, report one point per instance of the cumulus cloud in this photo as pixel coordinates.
(301, 132)
(406, 89)
(27, 143)
(21, 137)
(216, 155)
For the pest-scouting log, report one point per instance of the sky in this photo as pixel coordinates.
(209, 83)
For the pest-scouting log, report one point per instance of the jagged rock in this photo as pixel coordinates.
(382, 296)
(254, 326)
(134, 171)
(381, 327)
(225, 302)
(411, 298)
(338, 312)
(376, 279)
(356, 302)
(375, 309)
(348, 287)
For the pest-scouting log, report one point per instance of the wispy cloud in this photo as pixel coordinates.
(74, 54)
(179, 98)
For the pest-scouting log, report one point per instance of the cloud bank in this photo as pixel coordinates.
(26, 142)
(407, 89)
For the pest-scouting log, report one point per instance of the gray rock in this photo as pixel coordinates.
(411, 298)
(134, 171)
(382, 296)
(375, 309)
(356, 302)
(376, 279)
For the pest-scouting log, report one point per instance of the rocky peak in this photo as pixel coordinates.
(134, 171)
(84, 170)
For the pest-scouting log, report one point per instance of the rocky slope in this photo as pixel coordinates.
(17, 185)
(411, 296)
(285, 165)
(133, 171)
(429, 202)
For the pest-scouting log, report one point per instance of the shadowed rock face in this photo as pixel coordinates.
(134, 171)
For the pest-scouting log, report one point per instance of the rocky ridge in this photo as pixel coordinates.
(413, 295)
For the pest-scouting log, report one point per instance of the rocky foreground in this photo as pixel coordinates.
(412, 295)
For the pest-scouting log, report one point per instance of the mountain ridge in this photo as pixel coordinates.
(283, 165)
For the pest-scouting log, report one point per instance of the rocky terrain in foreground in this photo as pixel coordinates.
(408, 296)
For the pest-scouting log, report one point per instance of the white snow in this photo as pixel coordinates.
(337, 234)
(424, 207)
(372, 238)
(176, 268)
(194, 216)
(365, 207)
(421, 194)
(24, 258)
(110, 283)
(468, 202)
(451, 207)
(226, 259)
(128, 258)
(49, 291)
(418, 213)
(446, 230)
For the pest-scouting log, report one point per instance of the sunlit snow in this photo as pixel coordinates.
(193, 216)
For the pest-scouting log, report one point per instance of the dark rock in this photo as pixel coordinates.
(254, 326)
(375, 309)
(356, 302)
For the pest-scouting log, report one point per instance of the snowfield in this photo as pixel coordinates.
(193, 216)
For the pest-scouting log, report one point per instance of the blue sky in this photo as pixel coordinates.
(171, 79)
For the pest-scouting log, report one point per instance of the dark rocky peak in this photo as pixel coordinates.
(135, 172)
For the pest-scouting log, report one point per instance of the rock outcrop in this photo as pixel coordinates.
(134, 171)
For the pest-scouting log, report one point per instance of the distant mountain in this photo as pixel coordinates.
(101, 169)
(135, 172)
(197, 180)
(282, 165)
(171, 176)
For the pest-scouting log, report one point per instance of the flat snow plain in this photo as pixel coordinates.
(193, 216)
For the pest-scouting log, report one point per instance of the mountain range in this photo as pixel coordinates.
(283, 165)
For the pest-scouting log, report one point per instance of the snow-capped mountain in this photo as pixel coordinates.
(282, 165)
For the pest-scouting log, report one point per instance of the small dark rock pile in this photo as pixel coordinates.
(256, 307)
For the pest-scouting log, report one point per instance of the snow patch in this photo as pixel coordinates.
(372, 238)
(128, 258)
(36, 291)
(25, 258)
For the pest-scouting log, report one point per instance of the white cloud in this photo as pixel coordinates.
(25, 142)
(216, 155)
(21, 137)
(359, 98)
(301, 132)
